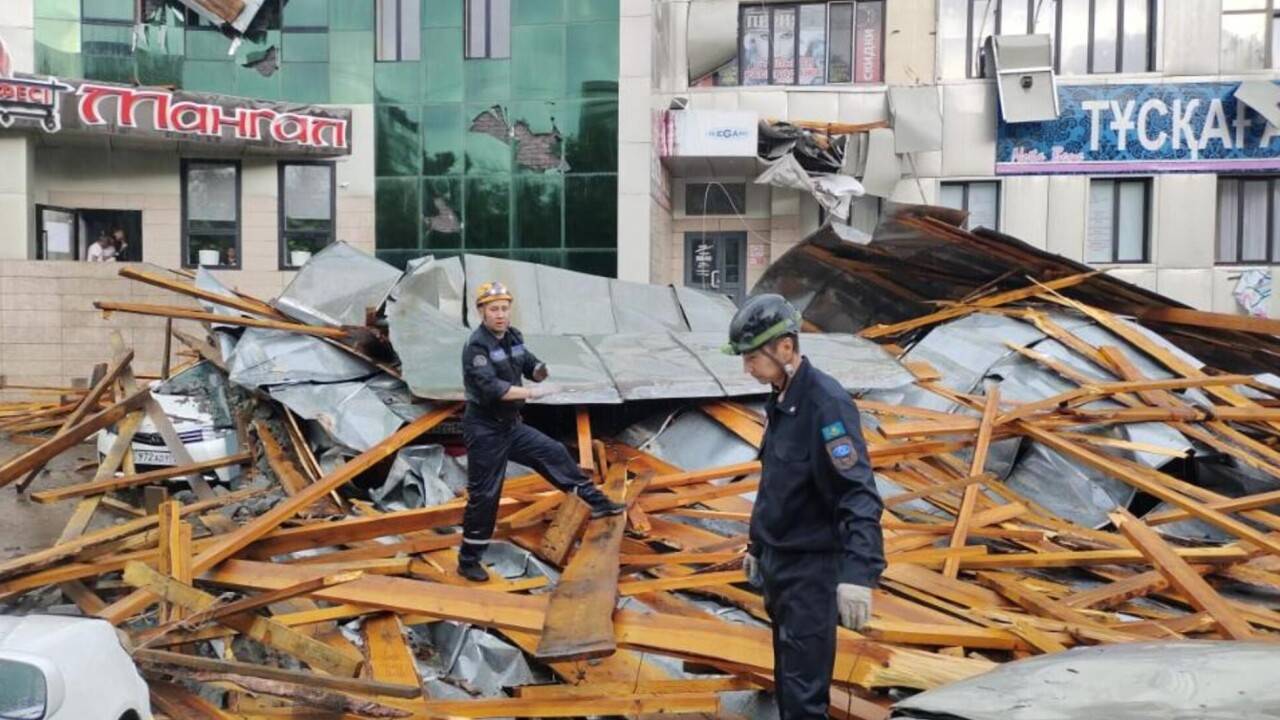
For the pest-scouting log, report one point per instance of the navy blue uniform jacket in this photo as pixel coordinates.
(817, 492)
(489, 368)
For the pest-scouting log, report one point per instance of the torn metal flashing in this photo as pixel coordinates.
(337, 286)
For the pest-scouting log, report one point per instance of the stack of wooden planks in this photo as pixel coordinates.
(986, 576)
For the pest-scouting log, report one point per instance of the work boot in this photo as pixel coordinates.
(600, 504)
(473, 571)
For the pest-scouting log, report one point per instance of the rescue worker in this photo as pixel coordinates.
(816, 549)
(494, 363)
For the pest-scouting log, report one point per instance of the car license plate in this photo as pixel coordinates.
(153, 457)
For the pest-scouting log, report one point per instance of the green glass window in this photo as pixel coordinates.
(487, 213)
(591, 136)
(488, 149)
(537, 62)
(442, 213)
(121, 10)
(58, 9)
(350, 67)
(591, 10)
(442, 64)
(106, 39)
(206, 44)
(596, 262)
(399, 83)
(397, 213)
(108, 68)
(399, 140)
(536, 12)
(209, 76)
(211, 213)
(442, 13)
(305, 82)
(349, 15)
(310, 13)
(442, 140)
(305, 46)
(590, 211)
(307, 206)
(592, 50)
(537, 207)
(487, 80)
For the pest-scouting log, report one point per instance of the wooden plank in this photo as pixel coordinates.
(390, 658)
(560, 536)
(87, 403)
(579, 617)
(361, 687)
(168, 516)
(747, 429)
(970, 501)
(200, 315)
(265, 630)
(1213, 320)
(181, 704)
(233, 302)
(1092, 558)
(112, 484)
(666, 501)
(641, 687)
(36, 457)
(574, 705)
(286, 472)
(232, 543)
(1179, 574)
(678, 558)
(697, 580)
(584, 440)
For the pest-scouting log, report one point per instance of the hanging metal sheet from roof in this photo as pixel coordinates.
(337, 286)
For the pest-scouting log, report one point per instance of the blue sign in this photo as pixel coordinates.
(1192, 127)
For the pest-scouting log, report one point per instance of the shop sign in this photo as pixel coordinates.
(1183, 127)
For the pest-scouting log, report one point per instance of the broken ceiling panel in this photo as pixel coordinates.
(917, 118)
(712, 36)
(337, 286)
(653, 366)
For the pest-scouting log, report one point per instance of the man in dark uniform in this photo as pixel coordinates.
(816, 548)
(494, 363)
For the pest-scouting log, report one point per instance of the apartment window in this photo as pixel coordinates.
(1090, 36)
(713, 198)
(211, 213)
(1247, 231)
(1250, 39)
(823, 43)
(1119, 212)
(399, 30)
(307, 209)
(488, 30)
(980, 199)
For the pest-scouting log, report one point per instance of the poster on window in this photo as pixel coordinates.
(755, 46)
(1181, 127)
(840, 43)
(813, 45)
(868, 40)
(784, 46)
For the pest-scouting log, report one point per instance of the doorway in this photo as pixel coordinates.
(66, 233)
(716, 262)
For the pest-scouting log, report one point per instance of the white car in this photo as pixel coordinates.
(196, 428)
(67, 668)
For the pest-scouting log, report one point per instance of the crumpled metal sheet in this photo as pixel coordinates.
(427, 340)
(573, 302)
(275, 357)
(726, 369)
(1067, 488)
(640, 307)
(1205, 680)
(858, 364)
(883, 170)
(689, 440)
(575, 368)
(712, 35)
(652, 366)
(439, 283)
(704, 311)
(336, 287)
(1226, 477)
(420, 476)
(207, 281)
(357, 414)
(482, 661)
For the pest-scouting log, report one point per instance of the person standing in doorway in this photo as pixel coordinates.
(495, 362)
(121, 243)
(816, 545)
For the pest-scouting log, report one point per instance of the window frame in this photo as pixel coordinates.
(282, 237)
(965, 186)
(1147, 191)
(186, 164)
(488, 32)
(1273, 245)
(399, 51)
(1270, 14)
(772, 8)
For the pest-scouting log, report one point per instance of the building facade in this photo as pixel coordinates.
(1152, 171)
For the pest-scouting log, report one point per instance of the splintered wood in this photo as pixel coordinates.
(979, 572)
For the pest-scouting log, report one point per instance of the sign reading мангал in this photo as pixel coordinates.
(1186, 127)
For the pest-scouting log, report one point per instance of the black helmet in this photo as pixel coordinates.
(761, 319)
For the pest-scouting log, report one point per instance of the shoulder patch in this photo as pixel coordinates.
(833, 431)
(479, 361)
(843, 455)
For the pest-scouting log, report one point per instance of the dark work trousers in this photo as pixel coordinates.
(489, 446)
(800, 597)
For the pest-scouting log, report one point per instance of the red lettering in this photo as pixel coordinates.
(296, 134)
(337, 132)
(189, 117)
(91, 96)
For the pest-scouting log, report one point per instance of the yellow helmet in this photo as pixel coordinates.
(490, 292)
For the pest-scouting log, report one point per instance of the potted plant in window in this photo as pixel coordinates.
(299, 252)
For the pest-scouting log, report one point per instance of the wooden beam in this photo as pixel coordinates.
(87, 403)
(201, 316)
(1212, 320)
(265, 630)
(579, 617)
(1179, 574)
(36, 457)
(563, 532)
(390, 658)
(584, 440)
(970, 500)
(119, 483)
(232, 543)
(351, 685)
(233, 302)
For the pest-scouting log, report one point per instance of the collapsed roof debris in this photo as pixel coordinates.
(1056, 475)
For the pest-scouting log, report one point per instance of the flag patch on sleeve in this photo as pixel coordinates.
(833, 431)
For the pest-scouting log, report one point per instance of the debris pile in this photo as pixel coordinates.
(1055, 475)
